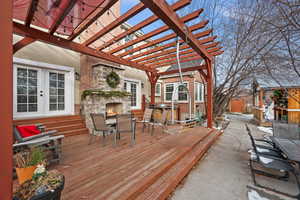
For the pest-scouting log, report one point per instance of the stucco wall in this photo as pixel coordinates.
(42, 52)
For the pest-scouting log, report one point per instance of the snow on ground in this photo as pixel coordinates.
(253, 195)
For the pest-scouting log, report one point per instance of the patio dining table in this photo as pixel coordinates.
(290, 147)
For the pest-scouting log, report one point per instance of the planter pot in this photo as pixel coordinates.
(49, 195)
(25, 174)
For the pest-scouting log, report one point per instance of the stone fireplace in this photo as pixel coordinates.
(98, 104)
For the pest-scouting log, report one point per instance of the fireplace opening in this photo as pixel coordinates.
(113, 109)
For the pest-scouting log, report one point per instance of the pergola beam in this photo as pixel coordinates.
(67, 7)
(163, 39)
(30, 12)
(22, 43)
(157, 31)
(123, 18)
(169, 17)
(57, 41)
(103, 6)
(172, 44)
(176, 6)
(195, 68)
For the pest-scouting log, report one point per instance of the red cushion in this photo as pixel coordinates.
(27, 131)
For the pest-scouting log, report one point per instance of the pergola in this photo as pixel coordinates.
(58, 26)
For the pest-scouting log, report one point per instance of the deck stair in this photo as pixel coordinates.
(161, 178)
(67, 125)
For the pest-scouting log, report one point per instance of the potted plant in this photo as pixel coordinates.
(26, 163)
(44, 185)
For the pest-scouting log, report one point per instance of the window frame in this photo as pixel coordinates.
(175, 84)
(160, 87)
(197, 85)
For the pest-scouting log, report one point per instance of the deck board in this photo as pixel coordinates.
(106, 172)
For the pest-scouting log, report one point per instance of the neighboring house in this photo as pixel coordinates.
(167, 83)
(276, 102)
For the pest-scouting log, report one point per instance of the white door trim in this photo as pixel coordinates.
(69, 87)
(138, 93)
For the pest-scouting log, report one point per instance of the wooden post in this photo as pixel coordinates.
(6, 88)
(153, 77)
(209, 94)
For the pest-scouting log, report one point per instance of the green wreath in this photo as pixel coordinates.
(113, 79)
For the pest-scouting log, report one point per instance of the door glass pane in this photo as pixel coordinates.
(57, 91)
(27, 90)
(133, 94)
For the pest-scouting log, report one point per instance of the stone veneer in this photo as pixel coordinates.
(97, 104)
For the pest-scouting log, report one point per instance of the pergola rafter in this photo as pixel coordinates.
(189, 58)
(190, 53)
(195, 68)
(171, 44)
(66, 8)
(155, 32)
(162, 39)
(169, 55)
(176, 6)
(30, 12)
(102, 7)
(123, 18)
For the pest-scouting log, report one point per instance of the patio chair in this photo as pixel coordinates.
(45, 139)
(271, 163)
(162, 122)
(262, 149)
(99, 125)
(146, 118)
(125, 123)
(286, 131)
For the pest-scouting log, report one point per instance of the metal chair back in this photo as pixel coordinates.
(252, 141)
(286, 131)
(147, 114)
(98, 122)
(164, 117)
(124, 123)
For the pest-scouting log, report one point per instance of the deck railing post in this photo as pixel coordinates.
(6, 88)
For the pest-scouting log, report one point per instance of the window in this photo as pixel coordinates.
(158, 89)
(128, 38)
(27, 90)
(169, 91)
(199, 92)
(57, 91)
(181, 94)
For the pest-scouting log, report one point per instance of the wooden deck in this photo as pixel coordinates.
(151, 169)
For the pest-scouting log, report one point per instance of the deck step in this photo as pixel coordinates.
(167, 183)
(66, 125)
(177, 166)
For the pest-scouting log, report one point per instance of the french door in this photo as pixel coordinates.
(133, 88)
(39, 92)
